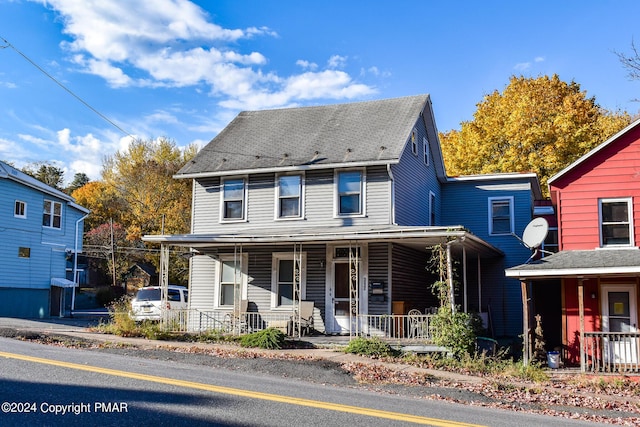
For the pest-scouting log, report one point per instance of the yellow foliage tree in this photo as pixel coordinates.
(535, 125)
(142, 178)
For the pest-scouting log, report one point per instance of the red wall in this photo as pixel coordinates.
(612, 172)
(572, 316)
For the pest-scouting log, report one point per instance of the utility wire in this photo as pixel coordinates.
(86, 104)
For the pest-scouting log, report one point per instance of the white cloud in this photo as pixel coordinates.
(522, 66)
(337, 61)
(151, 44)
(539, 59)
(306, 64)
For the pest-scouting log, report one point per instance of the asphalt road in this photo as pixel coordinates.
(48, 385)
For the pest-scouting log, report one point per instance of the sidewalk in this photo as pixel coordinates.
(326, 347)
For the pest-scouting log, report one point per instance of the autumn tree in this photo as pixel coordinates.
(103, 202)
(535, 125)
(79, 179)
(142, 178)
(106, 243)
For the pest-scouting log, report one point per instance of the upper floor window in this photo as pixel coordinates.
(234, 196)
(52, 214)
(501, 219)
(289, 203)
(414, 142)
(350, 192)
(616, 222)
(20, 210)
(425, 148)
(550, 243)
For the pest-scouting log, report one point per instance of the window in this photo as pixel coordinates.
(414, 142)
(425, 148)
(24, 252)
(233, 199)
(52, 215)
(432, 208)
(350, 192)
(282, 279)
(230, 277)
(616, 222)
(289, 194)
(501, 219)
(550, 243)
(20, 210)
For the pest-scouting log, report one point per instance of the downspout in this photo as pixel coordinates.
(75, 265)
(392, 196)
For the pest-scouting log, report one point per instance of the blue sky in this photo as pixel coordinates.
(183, 70)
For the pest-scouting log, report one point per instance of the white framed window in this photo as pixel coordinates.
(501, 217)
(283, 273)
(616, 222)
(230, 270)
(234, 200)
(20, 209)
(432, 208)
(425, 150)
(52, 214)
(414, 141)
(350, 192)
(289, 196)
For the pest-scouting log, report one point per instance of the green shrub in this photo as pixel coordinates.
(270, 338)
(121, 322)
(372, 347)
(454, 330)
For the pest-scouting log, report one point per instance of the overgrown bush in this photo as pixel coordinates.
(453, 330)
(270, 338)
(121, 322)
(372, 347)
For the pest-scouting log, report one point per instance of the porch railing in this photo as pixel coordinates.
(397, 326)
(385, 326)
(615, 352)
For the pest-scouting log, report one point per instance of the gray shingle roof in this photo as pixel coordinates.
(324, 135)
(581, 263)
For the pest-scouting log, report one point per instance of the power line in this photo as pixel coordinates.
(86, 104)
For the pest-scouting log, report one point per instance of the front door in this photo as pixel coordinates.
(619, 316)
(345, 271)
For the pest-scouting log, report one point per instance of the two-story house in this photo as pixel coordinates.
(594, 277)
(340, 205)
(41, 229)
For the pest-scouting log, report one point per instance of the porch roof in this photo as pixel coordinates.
(416, 237)
(589, 263)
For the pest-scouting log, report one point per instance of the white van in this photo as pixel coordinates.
(148, 302)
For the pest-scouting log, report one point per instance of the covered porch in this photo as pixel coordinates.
(359, 281)
(599, 300)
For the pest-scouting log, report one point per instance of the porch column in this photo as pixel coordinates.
(525, 323)
(464, 277)
(583, 355)
(452, 296)
(164, 273)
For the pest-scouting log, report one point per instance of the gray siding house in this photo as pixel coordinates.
(335, 204)
(41, 228)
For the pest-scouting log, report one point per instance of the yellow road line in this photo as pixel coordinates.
(245, 393)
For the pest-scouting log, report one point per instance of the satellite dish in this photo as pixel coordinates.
(535, 233)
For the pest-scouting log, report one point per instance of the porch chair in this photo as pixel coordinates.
(238, 321)
(305, 317)
(416, 324)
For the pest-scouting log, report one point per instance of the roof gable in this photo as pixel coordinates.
(9, 172)
(598, 154)
(322, 136)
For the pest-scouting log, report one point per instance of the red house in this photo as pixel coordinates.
(596, 273)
